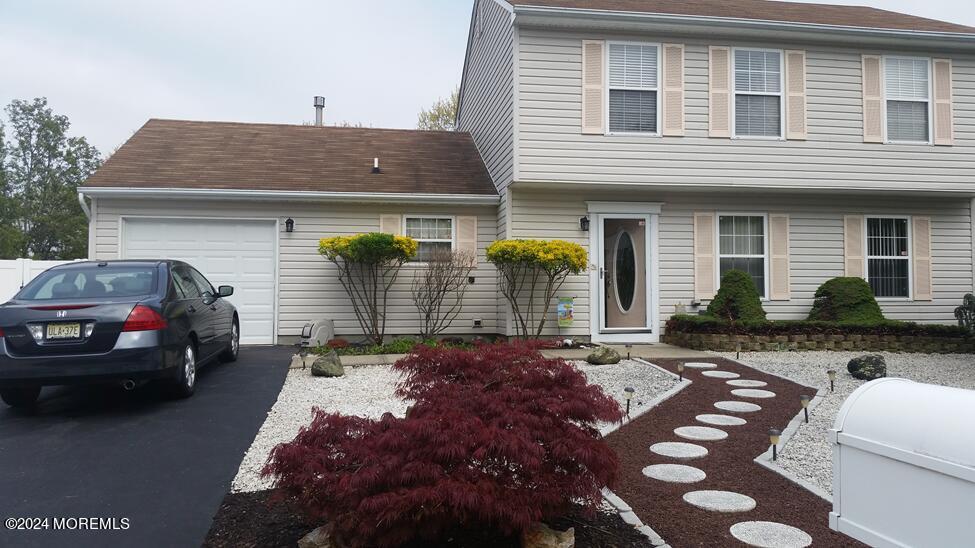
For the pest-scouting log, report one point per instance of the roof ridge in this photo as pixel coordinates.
(309, 126)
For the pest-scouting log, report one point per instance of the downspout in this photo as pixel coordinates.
(84, 205)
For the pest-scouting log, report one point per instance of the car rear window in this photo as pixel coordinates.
(92, 282)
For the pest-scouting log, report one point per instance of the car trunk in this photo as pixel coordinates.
(51, 329)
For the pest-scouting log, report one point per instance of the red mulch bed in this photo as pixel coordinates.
(251, 520)
(728, 465)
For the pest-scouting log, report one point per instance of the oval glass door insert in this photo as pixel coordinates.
(625, 271)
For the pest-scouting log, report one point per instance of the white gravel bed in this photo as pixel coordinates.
(368, 392)
(808, 454)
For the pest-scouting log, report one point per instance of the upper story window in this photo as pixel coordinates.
(907, 96)
(433, 234)
(888, 256)
(634, 88)
(741, 246)
(758, 93)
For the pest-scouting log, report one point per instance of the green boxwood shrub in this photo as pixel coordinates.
(684, 323)
(846, 300)
(737, 299)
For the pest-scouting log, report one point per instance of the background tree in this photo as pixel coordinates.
(442, 115)
(41, 170)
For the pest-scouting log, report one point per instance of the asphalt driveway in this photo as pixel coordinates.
(99, 452)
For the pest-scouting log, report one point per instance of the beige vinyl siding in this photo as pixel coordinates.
(307, 286)
(551, 148)
(815, 243)
(487, 92)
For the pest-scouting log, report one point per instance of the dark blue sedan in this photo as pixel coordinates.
(125, 322)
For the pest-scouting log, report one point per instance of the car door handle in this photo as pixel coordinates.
(213, 307)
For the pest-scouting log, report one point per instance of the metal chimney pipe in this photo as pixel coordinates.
(319, 110)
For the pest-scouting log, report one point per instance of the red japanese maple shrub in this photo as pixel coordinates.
(498, 438)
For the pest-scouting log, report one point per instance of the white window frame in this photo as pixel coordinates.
(610, 88)
(765, 246)
(909, 258)
(781, 94)
(929, 100)
(453, 232)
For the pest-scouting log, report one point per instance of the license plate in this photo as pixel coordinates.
(64, 331)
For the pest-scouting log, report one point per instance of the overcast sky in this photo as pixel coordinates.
(110, 65)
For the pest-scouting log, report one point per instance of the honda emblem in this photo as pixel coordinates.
(62, 313)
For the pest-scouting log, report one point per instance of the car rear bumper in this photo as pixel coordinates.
(136, 356)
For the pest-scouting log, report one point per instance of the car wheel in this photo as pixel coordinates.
(186, 381)
(230, 353)
(20, 397)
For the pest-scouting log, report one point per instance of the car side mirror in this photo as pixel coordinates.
(225, 291)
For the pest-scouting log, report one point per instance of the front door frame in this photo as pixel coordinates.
(603, 210)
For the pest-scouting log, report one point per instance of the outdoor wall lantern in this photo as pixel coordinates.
(805, 405)
(289, 225)
(584, 224)
(832, 378)
(628, 394)
(773, 436)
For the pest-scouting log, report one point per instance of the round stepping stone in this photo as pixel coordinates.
(752, 393)
(738, 406)
(719, 501)
(701, 365)
(721, 420)
(674, 473)
(720, 374)
(700, 433)
(747, 384)
(768, 534)
(679, 450)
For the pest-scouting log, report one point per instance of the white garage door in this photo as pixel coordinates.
(231, 252)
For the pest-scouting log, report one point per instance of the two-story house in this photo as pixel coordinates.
(679, 139)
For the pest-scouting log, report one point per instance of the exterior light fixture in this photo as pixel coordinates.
(773, 437)
(375, 166)
(584, 224)
(628, 393)
(832, 379)
(805, 405)
(289, 225)
(680, 370)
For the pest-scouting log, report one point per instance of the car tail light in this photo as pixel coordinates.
(143, 318)
(1, 333)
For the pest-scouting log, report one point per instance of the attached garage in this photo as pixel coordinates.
(241, 253)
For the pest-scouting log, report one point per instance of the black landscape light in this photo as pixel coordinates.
(832, 379)
(805, 405)
(773, 437)
(680, 370)
(628, 395)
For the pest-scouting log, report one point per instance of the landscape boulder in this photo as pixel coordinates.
(868, 367)
(328, 365)
(542, 536)
(604, 355)
(320, 538)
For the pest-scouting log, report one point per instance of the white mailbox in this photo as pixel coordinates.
(904, 465)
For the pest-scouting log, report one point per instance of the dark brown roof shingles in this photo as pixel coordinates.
(224, 155)
(766, 10)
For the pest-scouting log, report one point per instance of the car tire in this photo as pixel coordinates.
(185, 383)
(230, 353)
(21, 397)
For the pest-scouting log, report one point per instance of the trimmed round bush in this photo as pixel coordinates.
(737, 299)
(846, 300)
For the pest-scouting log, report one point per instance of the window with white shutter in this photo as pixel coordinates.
(907, 94)
(634, 76)
(432, 235)
(742, 246)
(758, 93)
(888, 256)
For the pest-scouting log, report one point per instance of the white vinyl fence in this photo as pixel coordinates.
(16, 273)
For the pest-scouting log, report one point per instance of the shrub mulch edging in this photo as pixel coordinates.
(729, 464)
(247, 520)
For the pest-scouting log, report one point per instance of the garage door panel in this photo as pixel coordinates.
(227, 252)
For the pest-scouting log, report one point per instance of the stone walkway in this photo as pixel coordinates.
(698, 484)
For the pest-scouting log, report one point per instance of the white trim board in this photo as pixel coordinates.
(208, 193)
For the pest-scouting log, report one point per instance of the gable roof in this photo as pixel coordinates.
(171, 154)
(765, 10)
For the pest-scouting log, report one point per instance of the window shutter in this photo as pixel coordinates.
(467, 237)
(921, 243)
(779, 281)
(391, 224)
(795, 85)
(704, 254)
(673, 86)
(593, 86)
(944, 133)
(853, 242)
(873, 101)
(719, 91)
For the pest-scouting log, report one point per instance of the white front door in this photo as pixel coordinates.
(241, 253)
(623, 247)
